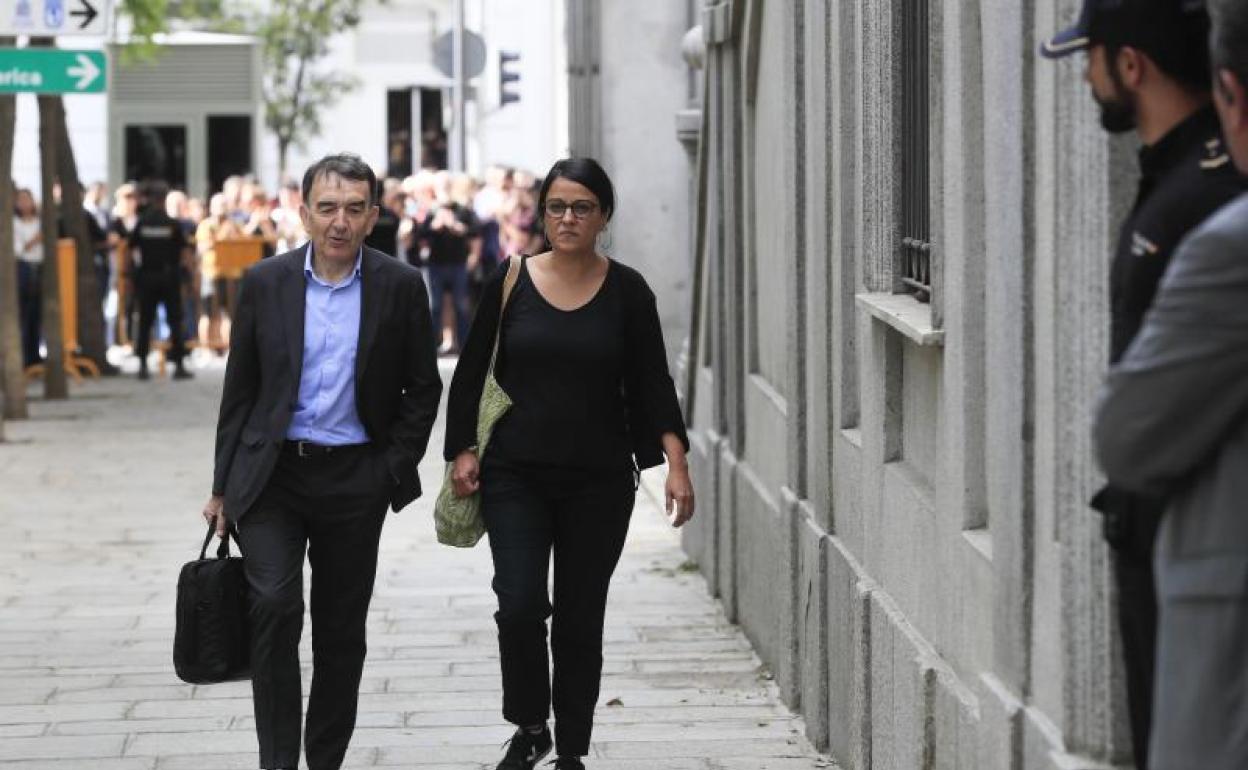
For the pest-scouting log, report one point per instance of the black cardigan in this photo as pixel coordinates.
(649, 393)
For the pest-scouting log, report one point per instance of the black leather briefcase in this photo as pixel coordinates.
(211, 643)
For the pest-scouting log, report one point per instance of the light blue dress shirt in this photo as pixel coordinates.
(325, 412)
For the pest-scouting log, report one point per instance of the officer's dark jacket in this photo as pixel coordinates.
(1184, 178)
(160, 242)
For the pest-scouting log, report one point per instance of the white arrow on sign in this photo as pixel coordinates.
(86, 71)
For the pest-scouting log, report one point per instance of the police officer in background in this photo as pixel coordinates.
(1148, 70)
(158, 248)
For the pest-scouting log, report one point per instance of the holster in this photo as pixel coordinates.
(1130, 521)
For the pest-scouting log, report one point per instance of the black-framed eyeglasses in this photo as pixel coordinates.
(580, 209)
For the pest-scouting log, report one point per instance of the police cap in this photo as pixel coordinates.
(1153, 26)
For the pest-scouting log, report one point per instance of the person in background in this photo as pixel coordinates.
(159, 253)
(213, 289)
(451, 232)
(232, 189)
(385, 233)
(493, 193)
(28, 248)
(286, 217)
(581, 353)
(178, 207)
(422, 199)
(519, 224)
(1148, 70)
(94, 200)
(260, 220)
(125, 214)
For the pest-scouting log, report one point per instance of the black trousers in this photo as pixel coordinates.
(1137, 620)
(582, 518)
(1131, 523)
(30, 309)
(332, 506)
(159, 290)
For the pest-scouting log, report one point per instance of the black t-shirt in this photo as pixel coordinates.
(160, 241)
(445, 246)
(564, 373)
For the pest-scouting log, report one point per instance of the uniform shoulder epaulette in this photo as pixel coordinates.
(1215, 156)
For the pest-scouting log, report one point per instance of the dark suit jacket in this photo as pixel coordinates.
(397, 387)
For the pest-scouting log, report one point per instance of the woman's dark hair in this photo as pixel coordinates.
(583, 171)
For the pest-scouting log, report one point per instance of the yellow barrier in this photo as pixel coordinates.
(67, 288)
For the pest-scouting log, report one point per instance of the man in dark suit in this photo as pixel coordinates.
(330, 395)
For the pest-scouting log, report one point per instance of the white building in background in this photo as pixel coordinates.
(200, 103)
(391, 55)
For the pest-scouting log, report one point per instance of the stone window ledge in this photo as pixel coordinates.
(905, 314)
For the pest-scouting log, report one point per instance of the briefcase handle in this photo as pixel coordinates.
(223, 550)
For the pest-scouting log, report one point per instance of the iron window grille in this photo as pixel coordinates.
(916, 247)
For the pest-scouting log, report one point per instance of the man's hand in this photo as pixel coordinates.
(465, 473)
(679, 494)
(214, 511)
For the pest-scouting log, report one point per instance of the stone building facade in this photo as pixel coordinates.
(892, 481)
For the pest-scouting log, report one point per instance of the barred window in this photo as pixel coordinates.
(916, 248)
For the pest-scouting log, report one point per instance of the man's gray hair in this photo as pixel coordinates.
(347, 165)
(1228, 38)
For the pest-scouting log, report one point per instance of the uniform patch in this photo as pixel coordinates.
(1142, 247)
(156, 232)
(1215, 155)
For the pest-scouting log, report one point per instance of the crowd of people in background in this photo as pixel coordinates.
(456, 228)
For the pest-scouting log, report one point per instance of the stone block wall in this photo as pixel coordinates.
(892, 500)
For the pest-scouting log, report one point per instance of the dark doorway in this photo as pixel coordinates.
(229, 148)
(156, 152)
(432, 129)
(399, 133)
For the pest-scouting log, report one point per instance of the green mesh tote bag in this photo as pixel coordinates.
(458, 519)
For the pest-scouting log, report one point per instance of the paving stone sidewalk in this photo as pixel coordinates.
(99, 501)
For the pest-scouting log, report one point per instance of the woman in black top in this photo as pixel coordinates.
(581, 355)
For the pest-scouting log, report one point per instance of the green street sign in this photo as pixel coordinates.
(52, 71)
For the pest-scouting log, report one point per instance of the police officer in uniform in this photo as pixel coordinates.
(1148, 69)
(158, 248)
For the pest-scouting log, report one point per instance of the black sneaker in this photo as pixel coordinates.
(143, 373)
(526, 750)
(182, 373)
(569, 763)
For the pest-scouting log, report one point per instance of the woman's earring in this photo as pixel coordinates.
(604, 239)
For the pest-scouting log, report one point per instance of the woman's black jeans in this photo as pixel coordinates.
(582, 516)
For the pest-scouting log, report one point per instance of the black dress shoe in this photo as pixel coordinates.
(526, 750)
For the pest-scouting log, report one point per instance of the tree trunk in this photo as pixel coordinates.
(283, 147)
(10, 330)
(55, 383)
(90, 306)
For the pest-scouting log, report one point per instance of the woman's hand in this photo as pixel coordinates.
(679, 495)
(465, 472)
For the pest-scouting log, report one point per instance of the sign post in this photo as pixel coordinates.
(52, 71)
(54, 18)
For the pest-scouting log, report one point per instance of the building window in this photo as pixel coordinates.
(916, 248)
